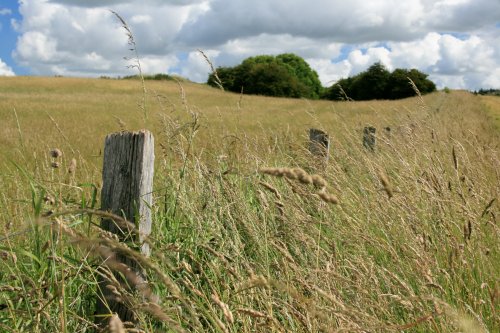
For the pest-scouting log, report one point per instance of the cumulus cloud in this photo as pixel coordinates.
(450, 61)
(456, 41)
(72, 40)
(108, 3)
(461, 15)
(195, 65)
(354, 22)
(358, 21)
(5, 70)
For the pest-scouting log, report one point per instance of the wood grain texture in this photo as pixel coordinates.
(128, 168)
(128, 181)
(319, 144)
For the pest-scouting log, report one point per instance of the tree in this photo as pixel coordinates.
(340, 91)
(378, 83)
(226, 76)
(371, 84)
(271, 79)
(399, 84)
(286, 75)
(299, 68)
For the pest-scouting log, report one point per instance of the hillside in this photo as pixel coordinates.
(412, 244)
(86, 110)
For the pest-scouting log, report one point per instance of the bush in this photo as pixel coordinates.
(286, 75)
(378, 83)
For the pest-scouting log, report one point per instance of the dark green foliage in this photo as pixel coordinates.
(271, 79)
(370, 84)
(340, 91)
(285, 75)
(378, 83)
(399, 86)
(156, 77)
(301, 70)
(489, 92)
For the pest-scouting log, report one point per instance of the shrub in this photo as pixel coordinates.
(378, 83)
(285, 75)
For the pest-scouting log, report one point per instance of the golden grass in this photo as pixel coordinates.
(412, 244)
(492, 107)
(49, 111)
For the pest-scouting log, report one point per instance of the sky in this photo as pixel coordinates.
(456, 42)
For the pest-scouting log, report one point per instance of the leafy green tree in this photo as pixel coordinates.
(271, 79)
(421, 81)
(285, 75)
(226, 76)
(378, 83)
(340, 91)
(299, 68)
(371, 84)
(399, 84)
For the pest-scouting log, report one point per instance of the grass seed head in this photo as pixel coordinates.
(116, 325)
(55, 153)
(385, 183)
(72, 166)
(328, 198)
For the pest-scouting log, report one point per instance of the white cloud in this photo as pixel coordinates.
(161, 64)
(450, 61)
(36, 45)
(73, 40)
(330, 72)
(108, 3)
(196, 67)
(5, 11)
(283, 43)
(456, 41)
(357, 21)
(5, 70)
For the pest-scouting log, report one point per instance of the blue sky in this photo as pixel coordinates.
(457, 42)
(8, 36)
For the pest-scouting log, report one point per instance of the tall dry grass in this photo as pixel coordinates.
(410, 245)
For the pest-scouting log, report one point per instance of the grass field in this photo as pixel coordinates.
(492, 107)
(412, 244)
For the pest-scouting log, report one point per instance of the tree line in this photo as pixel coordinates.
(288, 75)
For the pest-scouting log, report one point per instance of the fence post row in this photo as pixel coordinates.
(127, 174)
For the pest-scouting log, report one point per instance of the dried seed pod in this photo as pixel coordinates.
(49, 199)
(55, 153)
(72, 166)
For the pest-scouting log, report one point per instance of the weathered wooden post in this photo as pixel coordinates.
(369, 138)
(126, 191)
(319, 144)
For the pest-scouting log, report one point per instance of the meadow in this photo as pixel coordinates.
(240, 246)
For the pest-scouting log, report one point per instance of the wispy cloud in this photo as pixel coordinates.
(5, 11)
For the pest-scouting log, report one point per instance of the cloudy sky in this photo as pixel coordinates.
(457, 42)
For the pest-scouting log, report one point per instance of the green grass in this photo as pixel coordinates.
(236, 250)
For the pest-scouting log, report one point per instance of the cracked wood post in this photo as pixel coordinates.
(319, 145)
(369, 138)
(126, 191)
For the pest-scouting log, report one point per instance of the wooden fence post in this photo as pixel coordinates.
(319, 143)
(126, 191)
(369, 137)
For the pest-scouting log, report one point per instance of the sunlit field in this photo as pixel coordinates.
(412, 244)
